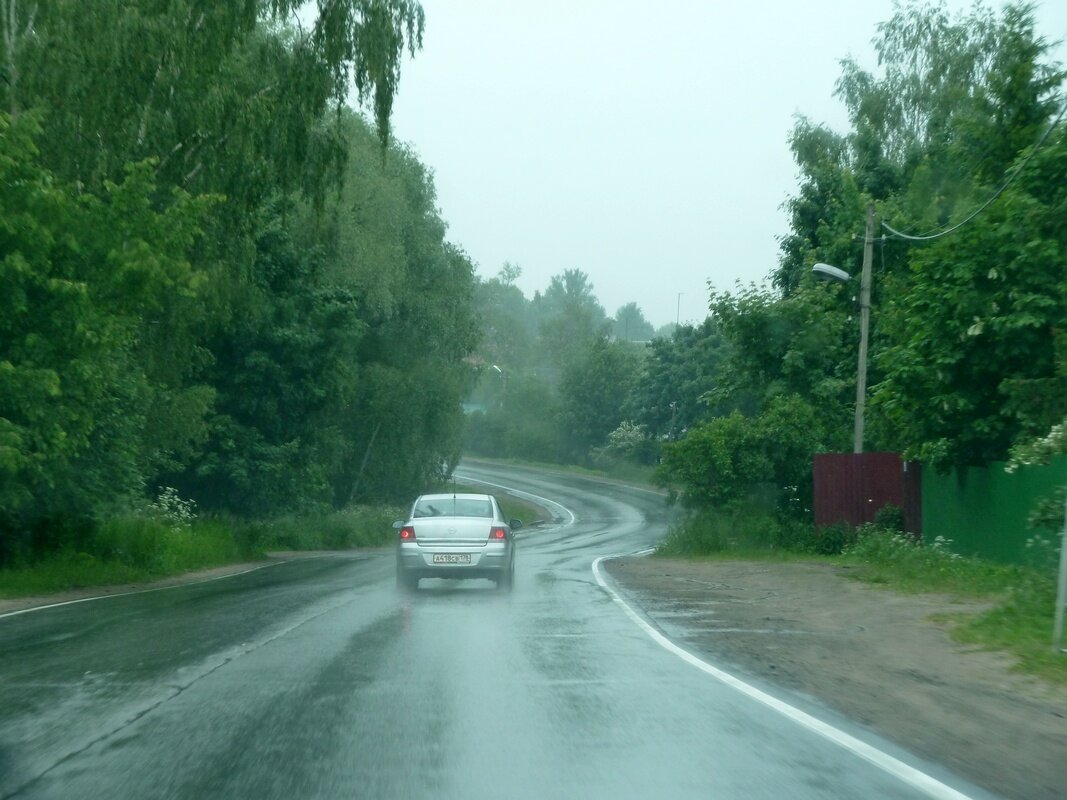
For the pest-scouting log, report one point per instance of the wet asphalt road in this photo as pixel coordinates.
(317, 679)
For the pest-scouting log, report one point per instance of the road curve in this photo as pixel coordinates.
(317, 679)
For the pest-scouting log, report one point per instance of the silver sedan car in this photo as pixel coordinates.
(455, 536)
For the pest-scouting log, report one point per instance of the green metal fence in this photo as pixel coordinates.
(984, 511)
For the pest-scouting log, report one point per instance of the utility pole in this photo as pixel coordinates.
(678, 310)
(865, 321)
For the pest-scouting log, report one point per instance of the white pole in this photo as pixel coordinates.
(1061, 592)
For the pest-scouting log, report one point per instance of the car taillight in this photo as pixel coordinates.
(498, 533)
(407, 533)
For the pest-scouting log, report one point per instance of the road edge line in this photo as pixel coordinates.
(869, 753)
(153, 589)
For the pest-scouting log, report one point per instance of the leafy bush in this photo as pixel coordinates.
(831, 540)
(728, 458)
(914, 565)
(738, 528)
(1047, 513)
(629, 442)
(890, 517)
(363, 526)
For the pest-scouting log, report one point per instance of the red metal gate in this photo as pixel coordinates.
(852, 487)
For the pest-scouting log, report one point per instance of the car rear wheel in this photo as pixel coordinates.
(405, 581)
(507, 579)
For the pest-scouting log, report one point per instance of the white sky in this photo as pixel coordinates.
(643, 143)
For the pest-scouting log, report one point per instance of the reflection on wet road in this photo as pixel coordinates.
(316, 679)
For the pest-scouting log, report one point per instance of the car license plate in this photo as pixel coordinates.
(451, 558)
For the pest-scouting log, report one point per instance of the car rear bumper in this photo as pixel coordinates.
(486, 562)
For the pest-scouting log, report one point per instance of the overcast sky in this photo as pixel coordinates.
(643, 143)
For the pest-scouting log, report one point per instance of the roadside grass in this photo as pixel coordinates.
(1022, 597)
(63, 571)
(1022, 625)
(739, 531)
(890, 558)
(137, 548)
(129, 550)
(362, 526)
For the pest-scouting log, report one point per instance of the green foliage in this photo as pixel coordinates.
(974, 325)
(80, 273)
(523, 424)
(736, 528)
(964, 329)
(717, 462)
(1022, 625)
(830, 540)
(221, 93)
(630, 325)
(679, 372)
(628, 443)
(569, 318)
(736, 457)
(1049, 512)
(593, 391)
(213, 275)
(889, 517)
(802, 344)
(127, 549)
(907, 563)
(1021, 619)
(358, 526)
(551, 384)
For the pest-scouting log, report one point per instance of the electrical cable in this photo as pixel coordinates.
(987, 203)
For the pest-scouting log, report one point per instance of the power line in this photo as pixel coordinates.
(990, 201)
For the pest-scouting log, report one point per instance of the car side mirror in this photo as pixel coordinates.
(515, 524)
(398, 524)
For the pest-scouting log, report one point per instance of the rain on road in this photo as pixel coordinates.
(317, 679)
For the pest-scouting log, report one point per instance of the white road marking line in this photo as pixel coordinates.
(894, 766)
(146, 591)
(528, 495)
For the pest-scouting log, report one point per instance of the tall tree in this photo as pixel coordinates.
(630, 325)
(975, 324)
(570, 318)
(593, 393)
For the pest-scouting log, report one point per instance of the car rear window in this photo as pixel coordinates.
(453, 507)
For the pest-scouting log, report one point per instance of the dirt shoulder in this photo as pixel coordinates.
(872, 654)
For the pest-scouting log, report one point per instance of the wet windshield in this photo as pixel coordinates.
(453, 507)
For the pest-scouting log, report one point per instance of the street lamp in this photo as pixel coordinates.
(833, 273)
(504, 382)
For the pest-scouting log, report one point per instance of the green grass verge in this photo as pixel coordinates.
(133, 549)
(740, 531)
(365, 526)
(129, 550)
(1022, 625)
(1024, 597)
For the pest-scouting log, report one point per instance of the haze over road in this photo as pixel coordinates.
(317, 679)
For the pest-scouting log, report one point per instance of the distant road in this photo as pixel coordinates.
(316, 679)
